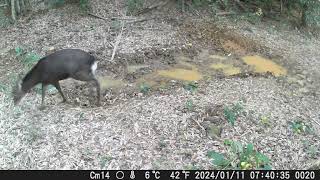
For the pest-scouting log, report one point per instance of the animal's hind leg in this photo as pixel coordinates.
(44, 87)
(57, 85)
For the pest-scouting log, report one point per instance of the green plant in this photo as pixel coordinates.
(240, 157)
(54, 3)
(311, 149)
(265, 120)
(27, 58)
(104, 160)
(232, 113)
(189, 105)
(84, 5)
(144, 88)
(3, 88)
(299, 127)
(134, 5)
(19, 51)
(191, 86)
(31, 58)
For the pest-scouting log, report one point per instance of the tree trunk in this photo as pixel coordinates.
(18, 7)
(13, 11)
(304, 15)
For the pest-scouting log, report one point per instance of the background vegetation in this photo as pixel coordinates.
(301, 13)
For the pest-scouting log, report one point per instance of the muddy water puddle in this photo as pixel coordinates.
(263, 65)
(187, 69)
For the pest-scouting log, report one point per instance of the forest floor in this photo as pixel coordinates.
(168, 94)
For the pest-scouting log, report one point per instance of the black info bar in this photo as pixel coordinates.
(159, 174)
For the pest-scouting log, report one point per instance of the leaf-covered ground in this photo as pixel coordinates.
(166, 128)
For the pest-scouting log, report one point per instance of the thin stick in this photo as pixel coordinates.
(112, 18)
(97, 16)
(3, 5)
(224, 13)
(13, 11)
(105, 41)
(183, 6)
(315, 121)
(117, 43)
(199, 125)
(18, 7)
(140, 20)
(145, 10)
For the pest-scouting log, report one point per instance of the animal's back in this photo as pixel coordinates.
(63, 63)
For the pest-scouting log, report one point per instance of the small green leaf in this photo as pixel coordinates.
(267, 167)
(144, 88)
(262, 159)
(229, 114)
(249, 149)
(227, 142)
(236, 147)
(218, 159)
(19, 51)
(191, 86)
(189, 105)
(3, 88)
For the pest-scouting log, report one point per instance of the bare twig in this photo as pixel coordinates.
(105, 41)
(199, 124)
(183, 7)
(225, 13)
(97, 16)
(140, 20)
(222, 4)
(18, 7)
(3, 5)
(315, 121)
(117, 43)
(119, 18)
(145, 10)
(240, 4)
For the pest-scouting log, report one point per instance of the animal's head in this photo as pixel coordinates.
(17, 92)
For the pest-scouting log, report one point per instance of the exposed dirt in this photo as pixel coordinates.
(146, 120)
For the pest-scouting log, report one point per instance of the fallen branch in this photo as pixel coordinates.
(145, 10)
(120, 18)
(315, 121)
(221, 3)
(105, 41)
(239, 3)
(140, 20)
(225, 13)
(97, 16)
(117, 43)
